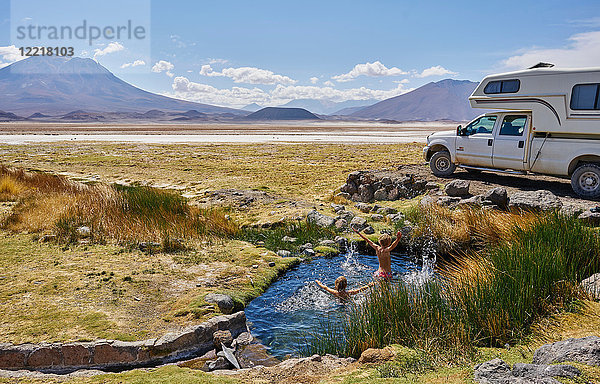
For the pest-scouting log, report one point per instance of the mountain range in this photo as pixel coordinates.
(78, 89)
(52, 86)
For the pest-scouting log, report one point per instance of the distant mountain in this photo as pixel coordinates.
(252, 107)
(278, 113)
(348, 111)
(8, 116)
(443, 100)
(327, 107)
(53, 85)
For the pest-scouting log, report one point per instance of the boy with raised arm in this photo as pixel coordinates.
(340, 288)
(383, 250)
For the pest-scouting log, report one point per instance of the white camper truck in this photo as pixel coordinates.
(549, 124)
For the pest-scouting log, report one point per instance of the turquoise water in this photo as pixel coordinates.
(294, 306)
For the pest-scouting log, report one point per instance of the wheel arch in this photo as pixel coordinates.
(581, 159)
(436, 148)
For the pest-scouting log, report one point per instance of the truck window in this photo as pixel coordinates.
(502, 86)
(585, 96)
(484, 124)
(513, 125)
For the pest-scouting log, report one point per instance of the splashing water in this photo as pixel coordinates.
(294, 306)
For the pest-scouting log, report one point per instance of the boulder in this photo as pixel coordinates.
(381, 194)
(572, 210)
(376, 217)
(590, 218)
(346, 215)
(358, 223)
(394, 194)
(377, 356)
(337, 208)
(497, 196)
(344, 195)
(430, 186)
(448, 201)
(354, 175)
(289, 239)
(585, 350)
(592, 286)
(284, 253)
(535, 371)
(369, 230)
(309, 252)
(328, 243)
(349, 188)
(475, 201)
(365, 193)
(426, 201)
(319, 219)
(494, 371)
(395, 217)
(224, 302)
(386, 180)
(218, 364)
(363, 207)
(535, 201)
(341, 224)
(457, 188)
(387, 210)
(222, 338)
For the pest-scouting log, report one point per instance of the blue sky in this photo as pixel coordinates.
(270, 52)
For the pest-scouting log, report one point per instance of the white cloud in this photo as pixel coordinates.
(9, 54)
(582, 50)
(376, 69)
(218, 61)
(240, 96)
(438, 70)
(163, 66)
(110, 48)
(314, 80)
(329, 83)
(248, 75)
(134, 64)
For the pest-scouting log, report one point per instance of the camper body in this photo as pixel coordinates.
(549, 124)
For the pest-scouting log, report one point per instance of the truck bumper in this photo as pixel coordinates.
(425, 151)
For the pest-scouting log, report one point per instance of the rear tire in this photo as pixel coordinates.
(441, 164)
(585, 181)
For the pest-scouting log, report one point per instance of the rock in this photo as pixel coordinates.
(289, 239)
(535, 201)
(365, 193)
(224, 302)
(571, 210)
(363, 207)
(230, 356)
(431, 186)
(585, 350)
(369, 230)
(309, 252)
(535, 371)
(497, 196)
(377, 356)
(220, 363)
(306, 246)
(448, 201)
(376, 217)
(395, 217)
(272, 264)
(47, 238)
(84, 231)
(328, 243)
(348, 216)
(344, 195)
(387, 211)
(358, 223)
(341, 241)
(393, 194)
(375, 208)
(341, 224)
(354, 175)
(590, 218)
(380, 194)
(255, 266)
(243, 338)
(426, 201)
(592, 286)
(284, 253)
(494, 371)
(337, 208)
(476, 200)
(386, 180)
(457, 188)
(419, 185)
(349, 188)
(222, 338)
(319, 219)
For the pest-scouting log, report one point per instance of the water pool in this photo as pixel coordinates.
(294, 306)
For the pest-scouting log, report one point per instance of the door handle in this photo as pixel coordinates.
(490, 142)
(521, 143)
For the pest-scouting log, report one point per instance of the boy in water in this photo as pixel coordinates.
(340, 288)
(383, 250)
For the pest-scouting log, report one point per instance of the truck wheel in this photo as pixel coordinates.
(586, 180)
(441, 164)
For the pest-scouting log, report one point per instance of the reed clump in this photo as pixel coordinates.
(488, 298)
(50, 203)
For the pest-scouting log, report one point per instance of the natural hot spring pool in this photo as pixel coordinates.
(294, 306)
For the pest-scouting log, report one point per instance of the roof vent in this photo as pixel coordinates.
(542, 65)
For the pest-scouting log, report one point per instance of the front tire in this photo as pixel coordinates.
(441, 164)
(585, 181)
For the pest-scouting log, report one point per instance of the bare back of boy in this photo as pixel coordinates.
(384, 257)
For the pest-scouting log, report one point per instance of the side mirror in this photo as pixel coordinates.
(460, 131)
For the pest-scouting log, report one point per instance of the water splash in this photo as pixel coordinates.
(428, 258)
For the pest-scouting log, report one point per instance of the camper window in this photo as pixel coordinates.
(585, 96)
(502, 86)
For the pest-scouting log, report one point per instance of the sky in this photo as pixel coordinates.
(233, 53)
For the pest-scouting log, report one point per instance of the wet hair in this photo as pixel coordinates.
(385, 240)
(341, 283)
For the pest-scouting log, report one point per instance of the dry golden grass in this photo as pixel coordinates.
(10, 188)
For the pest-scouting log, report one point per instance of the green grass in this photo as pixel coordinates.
(488, 301)
(272, 239)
